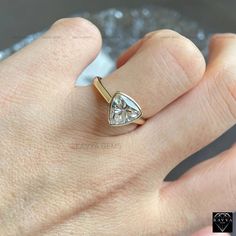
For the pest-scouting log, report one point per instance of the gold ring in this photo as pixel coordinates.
(123, 109)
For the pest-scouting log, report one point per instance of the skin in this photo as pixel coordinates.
(64, 171)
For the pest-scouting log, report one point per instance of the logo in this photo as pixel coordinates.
(222, 222)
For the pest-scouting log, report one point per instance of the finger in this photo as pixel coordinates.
(208, 232)
(157, 74)
(59, 55)
(208, 187)
(197, 118)
(127, 54)
(217, 43)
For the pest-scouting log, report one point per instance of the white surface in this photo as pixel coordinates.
(101, 66)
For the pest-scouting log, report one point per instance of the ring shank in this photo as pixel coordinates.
(140, 121)
(102, 90)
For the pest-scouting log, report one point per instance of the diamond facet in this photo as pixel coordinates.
(123, 110)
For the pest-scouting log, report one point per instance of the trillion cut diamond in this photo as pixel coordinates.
(123, 110)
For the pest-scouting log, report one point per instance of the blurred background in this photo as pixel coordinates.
(22, 17)
(197, 19)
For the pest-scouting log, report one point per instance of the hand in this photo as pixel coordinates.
(64, 171)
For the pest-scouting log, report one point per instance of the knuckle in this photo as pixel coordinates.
(178, 49)
(161, 35)
(229, 74)
(78, 26)
(221, 93)
(225, 82)
(216, 38)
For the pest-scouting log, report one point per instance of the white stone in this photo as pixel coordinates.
(123, 110)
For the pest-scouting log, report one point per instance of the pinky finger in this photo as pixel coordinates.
(208, 187)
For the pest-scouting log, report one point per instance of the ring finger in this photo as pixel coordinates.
(158, 73)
